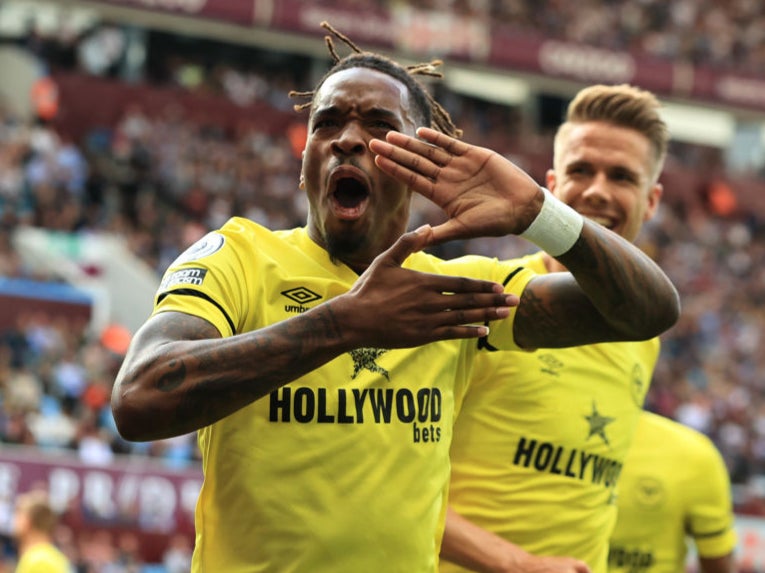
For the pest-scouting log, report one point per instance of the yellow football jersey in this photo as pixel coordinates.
(43, 558)
(343, 469)
(674, 487)
(540, 441)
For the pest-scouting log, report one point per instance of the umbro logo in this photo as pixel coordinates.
(550, 364)
(301, 296)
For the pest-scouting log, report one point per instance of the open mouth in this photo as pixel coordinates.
(349, 197)
(606, 222)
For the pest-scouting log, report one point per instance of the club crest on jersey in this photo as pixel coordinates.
(550, 364)
(638, 386)
(204, 247)
(649, 492)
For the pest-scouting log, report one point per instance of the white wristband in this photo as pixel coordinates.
(556, 228)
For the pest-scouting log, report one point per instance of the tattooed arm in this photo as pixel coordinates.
(613, 290)
(179, 375)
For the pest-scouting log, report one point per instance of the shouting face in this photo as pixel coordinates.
(356, 211)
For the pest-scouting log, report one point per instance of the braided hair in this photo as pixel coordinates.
(428, 111)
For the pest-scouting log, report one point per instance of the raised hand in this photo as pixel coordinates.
(394, 307)
(482, 193)
(478, 549)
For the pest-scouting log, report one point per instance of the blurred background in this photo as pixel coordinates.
(129, 128)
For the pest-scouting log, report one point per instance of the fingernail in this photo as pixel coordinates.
(422, 229)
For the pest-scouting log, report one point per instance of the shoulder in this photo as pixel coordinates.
(671, 433)
(486, 268)
(236, 236)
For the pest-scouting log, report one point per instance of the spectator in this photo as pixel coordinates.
(34, 524)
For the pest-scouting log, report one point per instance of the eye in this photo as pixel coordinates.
(578, 170)
(324, 122)
(383, 125)
(623, 176)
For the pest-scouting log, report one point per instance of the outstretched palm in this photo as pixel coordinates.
(482, 193)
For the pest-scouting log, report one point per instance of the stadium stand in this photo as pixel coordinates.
(207, 131)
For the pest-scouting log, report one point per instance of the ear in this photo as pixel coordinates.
(550, 180)
(301, 184)
(654, 197)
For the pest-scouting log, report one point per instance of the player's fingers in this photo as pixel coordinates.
(581, 567)
(411, 179)
(478, 300)
(407, 244)
(437, 155)
(459, 332)
(462, 285)
(453, 146)
(474, 316)
(448, 231)
(411, 153)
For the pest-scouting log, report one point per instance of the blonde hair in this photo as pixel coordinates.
(34, 504)
(621, 105)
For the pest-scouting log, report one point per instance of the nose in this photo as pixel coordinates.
(598, 193)
(350, 140)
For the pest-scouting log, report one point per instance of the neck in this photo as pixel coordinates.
(33, 538)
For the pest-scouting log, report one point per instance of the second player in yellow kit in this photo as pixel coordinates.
(541, 439)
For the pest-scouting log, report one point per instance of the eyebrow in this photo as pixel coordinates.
(375, 112)
(622, 170)
(617, 169)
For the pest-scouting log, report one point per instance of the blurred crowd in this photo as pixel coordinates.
(728, 34)
(162, 180)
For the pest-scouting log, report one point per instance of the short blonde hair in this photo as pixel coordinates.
(621, 105)
(35, 506)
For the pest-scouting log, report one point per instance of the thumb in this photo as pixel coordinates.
(582, 567)
(409, 243)
(448, 231)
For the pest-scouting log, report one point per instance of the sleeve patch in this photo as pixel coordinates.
(184, 277)
(204, 247)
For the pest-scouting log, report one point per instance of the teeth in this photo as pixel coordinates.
(605, 222)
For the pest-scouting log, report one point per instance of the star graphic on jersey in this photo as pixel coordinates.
(598, 424)
(364, 359)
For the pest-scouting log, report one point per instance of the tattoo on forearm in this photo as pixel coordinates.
(223, 375)
(533, 310)
(176, 375)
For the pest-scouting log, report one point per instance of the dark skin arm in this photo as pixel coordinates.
(613, 291)
(180, 375)
(724, 564)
